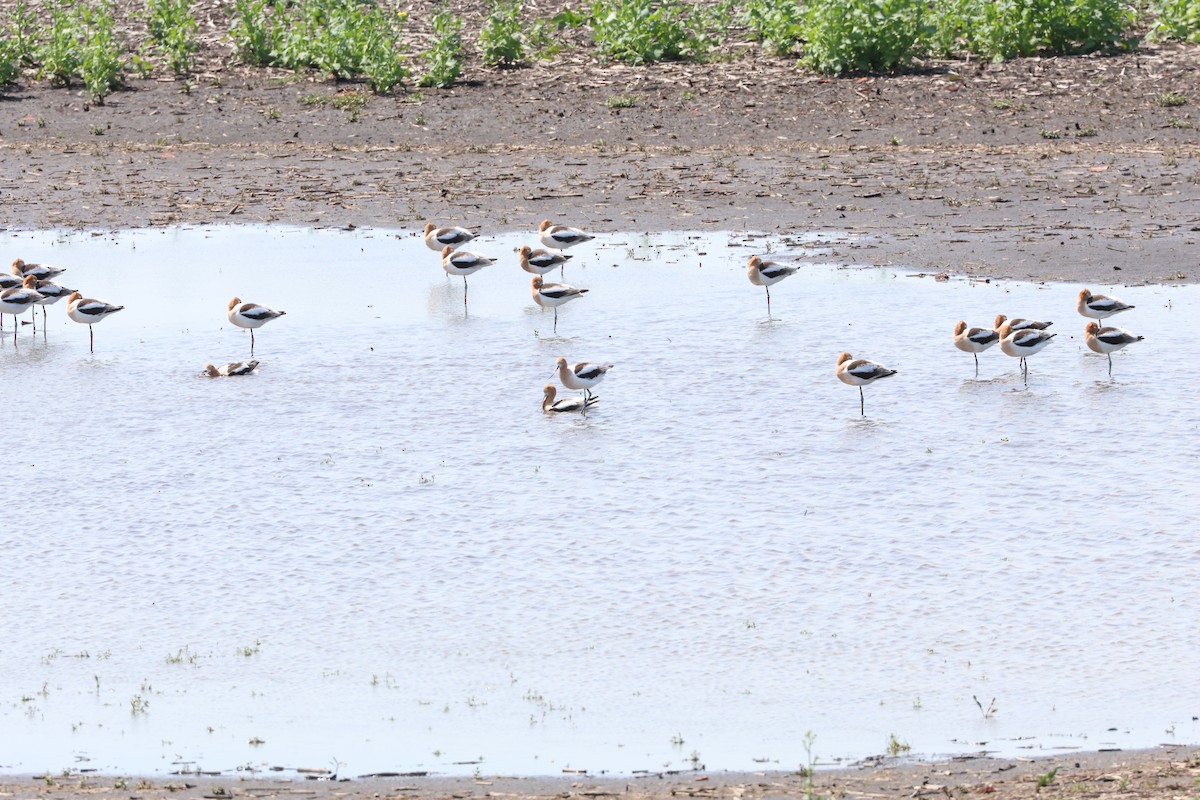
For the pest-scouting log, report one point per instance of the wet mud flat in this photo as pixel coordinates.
(1056, 168)
(1169, 771)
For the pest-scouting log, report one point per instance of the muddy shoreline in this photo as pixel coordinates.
(1040, 169)
(1168, 771)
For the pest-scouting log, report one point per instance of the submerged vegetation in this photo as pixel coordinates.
(87, 43)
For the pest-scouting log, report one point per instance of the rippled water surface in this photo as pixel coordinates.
(378, 552)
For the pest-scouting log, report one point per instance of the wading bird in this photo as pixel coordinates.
(974, 340)
(1099, 306)
(553, 295)
(860, 372)
(1107, 340)
(768, 273)
(251, 315)
(88, 311)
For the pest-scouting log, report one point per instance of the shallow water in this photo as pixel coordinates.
(378, 553)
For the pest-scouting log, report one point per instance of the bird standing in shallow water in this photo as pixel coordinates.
(582, 376)
(541, 262)
(1099, 306)
(1108, 340)
(553, 295)
(86, 310)
(560, 236)
(860, 372)
(567, 404)
(43, 272)
(464, 263)
(974, 340)
(1024, 343)
(437, 238)
(19, 299)
(251, 315)
(766, 274)
(1004, 326)
(51, 294)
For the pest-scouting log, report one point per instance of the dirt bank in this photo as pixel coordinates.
(1067, 168)
(1168, 772)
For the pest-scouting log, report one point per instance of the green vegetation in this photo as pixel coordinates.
(1177, 19)
(501, 40)
(645, 31)
(1171, 99)
(897, 747)
(73, 42)
(1002, 29)
(862, 35)
(173, 28)
(620, 101)
(443, 60)
(778, 24)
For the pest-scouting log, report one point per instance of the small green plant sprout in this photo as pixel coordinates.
(988, 712)
(1047, 133)
(677, 740)
(809, 767)
(1047, 778)
(256, 741)
(138, 705)
(1171, 99)
(897, 747)
(250, 650)
(620, 101)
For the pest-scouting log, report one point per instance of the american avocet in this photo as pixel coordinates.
(553, 295)
(51, 294)
(974, 340)
(1107, 340)
(230, 370)
(540, 262)
(250, 315)
(582, 376)
(463, 262)
(9, 281)
(1099, 306)
(1004, 326)
(436, 238)
(1024, 343)
(43, 272)
(860, 372)
(19, 299)
(552, 406)
(560, 236)
(89, 311)
(768, 273)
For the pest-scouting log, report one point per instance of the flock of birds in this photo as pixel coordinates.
(31, 285)
(1019, 338)
(581, 376)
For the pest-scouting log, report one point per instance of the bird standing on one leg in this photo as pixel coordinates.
(1107, 340)
(251, 315)
(974, 340)
(860, 372)
(86, 310)
(766, 274)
